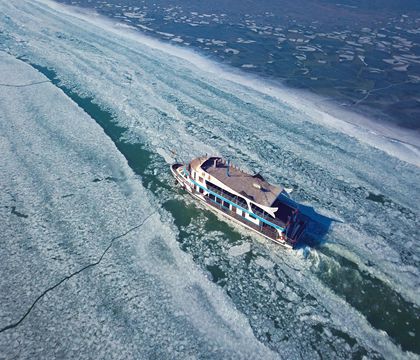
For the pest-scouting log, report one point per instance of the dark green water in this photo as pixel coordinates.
(251, 287)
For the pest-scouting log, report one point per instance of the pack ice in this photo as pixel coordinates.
(66, 193)
(172, 99)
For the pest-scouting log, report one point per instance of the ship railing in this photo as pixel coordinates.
(234, 199)
(264, 229)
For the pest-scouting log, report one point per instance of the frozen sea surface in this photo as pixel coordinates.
(354, 296)
(66, 193)
(358, 55)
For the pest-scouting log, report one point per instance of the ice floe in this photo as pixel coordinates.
(178, 100)
(66, 193)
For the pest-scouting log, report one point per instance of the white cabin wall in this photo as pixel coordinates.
(215, 181)
(198, 172)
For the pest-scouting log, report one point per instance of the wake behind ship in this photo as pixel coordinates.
(244, 198)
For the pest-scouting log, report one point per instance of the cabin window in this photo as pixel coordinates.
(258, 211)
(241, 202)
(226, 194)
(211, 196)
(225, 204)
(219, 190)
(200, 179)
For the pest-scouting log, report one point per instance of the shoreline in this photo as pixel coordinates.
(393, 140)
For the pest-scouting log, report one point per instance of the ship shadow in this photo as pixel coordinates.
(317, 227)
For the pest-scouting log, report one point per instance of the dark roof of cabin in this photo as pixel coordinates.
(253, 187)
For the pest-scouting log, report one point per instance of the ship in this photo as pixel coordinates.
(246, 199)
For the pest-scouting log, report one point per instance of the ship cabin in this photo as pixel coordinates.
(248, 198)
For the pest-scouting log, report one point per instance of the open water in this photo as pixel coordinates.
(103, 256)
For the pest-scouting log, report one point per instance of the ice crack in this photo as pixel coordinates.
(68, 277)
(369, 92)
(25, 85)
